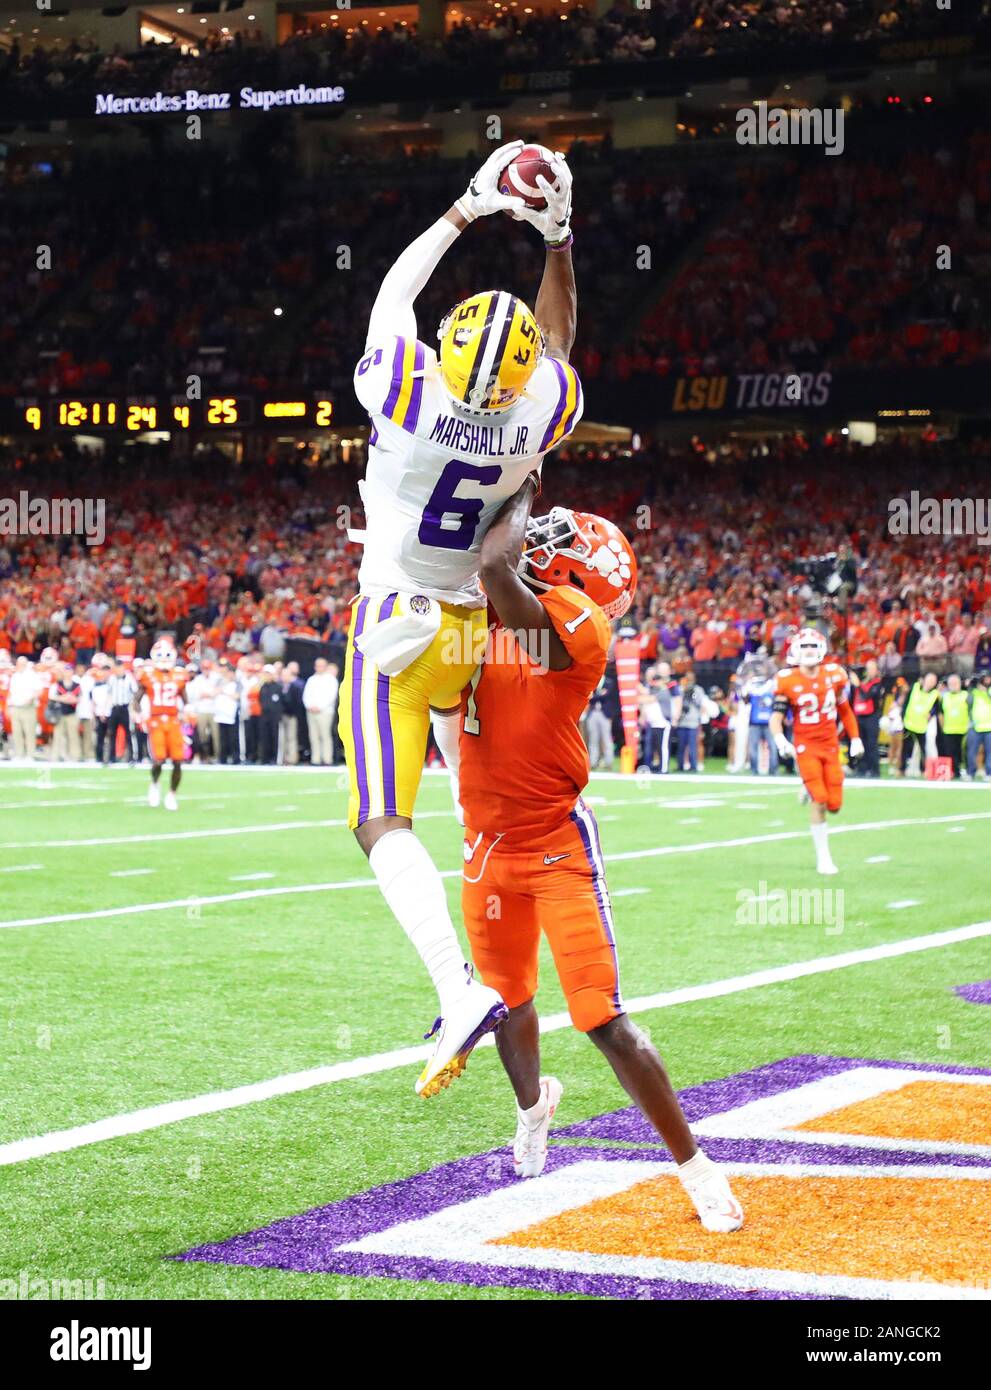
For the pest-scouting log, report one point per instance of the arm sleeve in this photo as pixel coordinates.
(392, 313)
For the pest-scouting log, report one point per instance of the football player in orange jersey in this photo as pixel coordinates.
(533, 861)
(163, 687)
(815, 691)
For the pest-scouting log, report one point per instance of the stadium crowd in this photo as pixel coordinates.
(835, 265)
(735, 543)
(503, 40)
(129, 250)
(829, 266)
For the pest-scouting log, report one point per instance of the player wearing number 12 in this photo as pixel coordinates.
(453, 436)
(162, 687)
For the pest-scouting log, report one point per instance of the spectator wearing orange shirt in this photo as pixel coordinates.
(84, 637)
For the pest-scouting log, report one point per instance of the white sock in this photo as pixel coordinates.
(414, 890)
(820, 836)
(447, 736)
(536, 1112)
(699, 1166)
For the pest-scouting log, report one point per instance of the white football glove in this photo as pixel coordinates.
(856, 748)
(785, 749)
(554, 222)
(482, 195)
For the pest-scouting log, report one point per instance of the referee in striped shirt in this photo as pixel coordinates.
(122, 692)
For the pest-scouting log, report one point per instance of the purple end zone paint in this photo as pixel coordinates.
(979, 993)
(310, 1242)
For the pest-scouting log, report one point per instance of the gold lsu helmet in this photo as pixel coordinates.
(489, 347)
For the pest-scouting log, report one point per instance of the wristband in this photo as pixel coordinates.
(560, 245)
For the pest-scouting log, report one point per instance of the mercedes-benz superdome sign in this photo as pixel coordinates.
(248, 98)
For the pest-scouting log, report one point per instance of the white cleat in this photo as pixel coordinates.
(154, 795)
(718, 1209)
(171, 804)
(827, 867)
(530, 1144)
(480, 1010)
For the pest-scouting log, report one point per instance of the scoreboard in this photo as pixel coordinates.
(138, 414)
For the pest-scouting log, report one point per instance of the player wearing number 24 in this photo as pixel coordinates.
(453, 436)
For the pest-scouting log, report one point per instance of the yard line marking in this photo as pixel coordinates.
(657, 852)
(335, 823)
(248, 878)
(130, 873)
(691, 820)
(172, 1112)
(627, 892)
(956, 830)
(20, 868)
(878, 859)
(903, 902)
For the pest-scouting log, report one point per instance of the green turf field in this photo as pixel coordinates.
(234, 979)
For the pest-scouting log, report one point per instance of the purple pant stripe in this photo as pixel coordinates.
(384, 716)
(357, 664)
(579, 821)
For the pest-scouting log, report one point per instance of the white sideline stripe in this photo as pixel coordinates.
(627, 892)
(878, 859)
(248, 878)
(656, 852)
(130, 873)
(20, 868)
(333, 823)
(903, 902)
(338, 822)
(172, 1112)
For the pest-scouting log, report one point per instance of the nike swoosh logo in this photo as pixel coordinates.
(553, 858)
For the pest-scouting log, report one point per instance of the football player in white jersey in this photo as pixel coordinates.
(453, 436)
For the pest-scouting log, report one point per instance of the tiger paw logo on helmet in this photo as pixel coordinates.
(583, 550)
(489, 349)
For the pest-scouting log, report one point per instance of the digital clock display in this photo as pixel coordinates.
(170, 414)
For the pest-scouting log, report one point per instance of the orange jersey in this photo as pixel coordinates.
(523, 760)
(165, 692)
(4, 687)
(816, 701)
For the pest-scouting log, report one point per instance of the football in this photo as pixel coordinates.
(519, 178)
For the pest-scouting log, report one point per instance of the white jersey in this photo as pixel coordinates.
(437, 476)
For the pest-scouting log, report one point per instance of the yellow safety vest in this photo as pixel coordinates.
(980, 710)
(919, 708)
(955, 713)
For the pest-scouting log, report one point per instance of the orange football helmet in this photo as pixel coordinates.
(566, 547)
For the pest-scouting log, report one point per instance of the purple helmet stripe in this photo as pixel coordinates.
(357, 663)
(384, 717)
